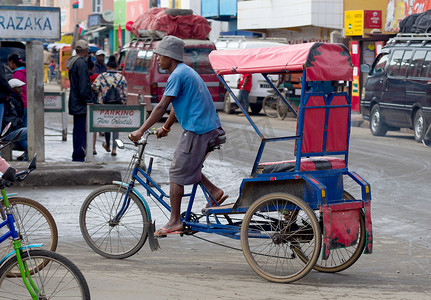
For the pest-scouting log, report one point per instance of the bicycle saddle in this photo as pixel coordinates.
(216, 142)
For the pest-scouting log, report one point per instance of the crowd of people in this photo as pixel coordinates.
(91, 82)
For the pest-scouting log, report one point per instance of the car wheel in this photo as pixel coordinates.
(377, 127)
(255, 108)
(228, 106)
(419, 126)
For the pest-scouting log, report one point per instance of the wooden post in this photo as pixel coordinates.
(35, 100)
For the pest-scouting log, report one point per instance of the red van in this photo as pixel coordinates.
(146, 81)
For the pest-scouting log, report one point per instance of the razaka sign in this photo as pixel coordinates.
(122, 118)
(28, 23)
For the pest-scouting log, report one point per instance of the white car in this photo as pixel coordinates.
(259, 87)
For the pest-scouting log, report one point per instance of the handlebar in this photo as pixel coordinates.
(10, 176)
(144, 138)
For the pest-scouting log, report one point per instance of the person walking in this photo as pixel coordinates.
(47, 58)
(102, 84)
(79, 96)
(244, 90)
(19, 71)
(194, 109)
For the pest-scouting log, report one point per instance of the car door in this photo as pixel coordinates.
(375, 81)
(418, 84)
(392, 104)
(132, 93)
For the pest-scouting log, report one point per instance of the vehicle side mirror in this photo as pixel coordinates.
(365, 68)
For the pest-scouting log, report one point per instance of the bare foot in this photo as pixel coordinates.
(170, 229)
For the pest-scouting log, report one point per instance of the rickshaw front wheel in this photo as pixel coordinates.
(273, 228)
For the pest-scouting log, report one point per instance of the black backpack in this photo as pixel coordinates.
(112, 96)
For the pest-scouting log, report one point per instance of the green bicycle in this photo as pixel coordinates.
(30, 273)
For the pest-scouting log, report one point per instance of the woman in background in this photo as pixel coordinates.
(102, 83)
(19, 71)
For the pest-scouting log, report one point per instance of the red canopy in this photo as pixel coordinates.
(325, 62)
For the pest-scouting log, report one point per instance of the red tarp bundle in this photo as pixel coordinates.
(322, 61)
(184, 27)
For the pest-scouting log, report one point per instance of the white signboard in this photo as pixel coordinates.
(116, 118)
(53, 102)
(28, 23)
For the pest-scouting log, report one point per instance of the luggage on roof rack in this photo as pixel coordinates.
(416, 23)
(158, 22)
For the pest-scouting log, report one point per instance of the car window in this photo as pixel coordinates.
(143, 61)
(131, 58)
(197, 58)
(122, 58)
(394, 64)
(405, 63)
(139, 65)
(426, 69)
(416, 64)
(381, 64)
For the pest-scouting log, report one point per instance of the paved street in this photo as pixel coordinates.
(398, 169)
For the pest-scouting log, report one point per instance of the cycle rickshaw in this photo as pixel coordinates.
(297, 215)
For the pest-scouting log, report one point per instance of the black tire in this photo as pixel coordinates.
(178, 12)
(377, 126)
(282, 109)
(255, 108)
(38, 225)
(419, 126)
(228, 106)
(270, 106)
(273, 227)
(60, 279)
(109, 238)
(342, 258)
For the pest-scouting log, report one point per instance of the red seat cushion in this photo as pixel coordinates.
(307, 164)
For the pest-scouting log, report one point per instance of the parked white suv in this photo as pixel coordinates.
(260, 86)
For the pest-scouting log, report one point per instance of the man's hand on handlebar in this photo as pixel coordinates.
(136, 135)
(161, 132)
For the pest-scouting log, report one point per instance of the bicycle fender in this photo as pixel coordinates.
(22, 248)
(138, 194)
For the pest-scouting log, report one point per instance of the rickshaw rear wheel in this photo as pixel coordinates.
(273, 227)
(342, 258)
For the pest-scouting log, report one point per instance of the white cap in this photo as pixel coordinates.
(100, 52)
(81, 45)
(15, 83)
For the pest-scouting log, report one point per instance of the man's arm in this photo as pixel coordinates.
(155, 116)
(163, 131)
(84, 85)
(244, 83)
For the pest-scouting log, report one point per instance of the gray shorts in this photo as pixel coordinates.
(186, 167)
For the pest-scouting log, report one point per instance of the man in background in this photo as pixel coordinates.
(99, 66)
(80, 95)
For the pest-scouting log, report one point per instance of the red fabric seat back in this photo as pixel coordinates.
(314, 125)
(338, 124)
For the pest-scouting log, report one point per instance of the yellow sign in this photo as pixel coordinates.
(353, 22)
(66, 39)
